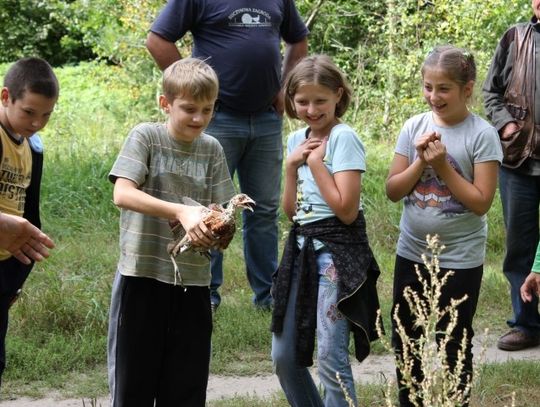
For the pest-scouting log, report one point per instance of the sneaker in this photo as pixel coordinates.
(517, 339)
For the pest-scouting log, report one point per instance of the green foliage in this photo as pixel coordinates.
(117, 30)
(400, 38)
(43, 28)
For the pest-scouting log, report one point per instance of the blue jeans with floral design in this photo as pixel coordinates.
(333, 334)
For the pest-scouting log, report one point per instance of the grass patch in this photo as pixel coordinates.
(498, 381)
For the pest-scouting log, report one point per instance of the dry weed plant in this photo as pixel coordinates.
(441, 385)
(93, 403)
(348, 398)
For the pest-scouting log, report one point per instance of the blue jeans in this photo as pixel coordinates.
(333, 332)
(520, 196)
(254, 149)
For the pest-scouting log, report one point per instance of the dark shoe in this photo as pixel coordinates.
(213, 307)
(14, 298)
(516, 339)
(264, 307)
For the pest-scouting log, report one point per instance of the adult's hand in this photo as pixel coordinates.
(530, 287)
(22, 239)
(508, 129)
(279, 103)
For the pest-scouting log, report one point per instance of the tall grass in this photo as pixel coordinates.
(58, 328)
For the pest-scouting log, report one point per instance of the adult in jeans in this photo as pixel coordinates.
(512, 103)
(241, 40)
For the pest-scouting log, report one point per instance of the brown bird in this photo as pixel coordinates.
(219, 220)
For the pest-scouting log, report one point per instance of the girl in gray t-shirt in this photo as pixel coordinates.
(445, 170)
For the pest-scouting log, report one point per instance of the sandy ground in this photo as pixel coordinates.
(375, 368)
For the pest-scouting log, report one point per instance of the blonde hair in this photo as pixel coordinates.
(318, 70)
(190, 76)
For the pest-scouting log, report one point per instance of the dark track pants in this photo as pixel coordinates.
(13, 274)
(159, 344)
(463, 282)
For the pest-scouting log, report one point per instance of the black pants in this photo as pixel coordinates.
(13, 274)
(463, 282)
(159, 344)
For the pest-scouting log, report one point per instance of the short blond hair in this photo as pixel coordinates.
(190, 76)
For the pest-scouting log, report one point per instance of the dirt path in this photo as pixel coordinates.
(375, 368)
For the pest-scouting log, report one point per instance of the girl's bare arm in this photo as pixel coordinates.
(402, 177)
(341, 190)
(478, 195)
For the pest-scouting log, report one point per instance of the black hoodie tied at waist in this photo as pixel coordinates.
(357, 273)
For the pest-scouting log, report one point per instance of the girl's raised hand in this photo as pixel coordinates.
(422, 142)
(299, 155)
(435, 153)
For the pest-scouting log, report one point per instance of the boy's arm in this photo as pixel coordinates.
(127, 195)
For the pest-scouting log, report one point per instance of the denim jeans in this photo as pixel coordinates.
(254, 150)
(520, 197)
(333, 332)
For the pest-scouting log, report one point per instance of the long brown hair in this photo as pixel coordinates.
(318, 70)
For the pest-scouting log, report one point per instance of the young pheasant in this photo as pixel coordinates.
(220, 221)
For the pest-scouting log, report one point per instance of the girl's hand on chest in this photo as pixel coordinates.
(300, 154)
(317, 155)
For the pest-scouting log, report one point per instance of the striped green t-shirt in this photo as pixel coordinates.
(169, 170)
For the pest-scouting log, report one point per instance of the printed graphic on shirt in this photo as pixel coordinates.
(15, 174)
(13, 184)
(302, 207)
(431, 191)
(249, 17)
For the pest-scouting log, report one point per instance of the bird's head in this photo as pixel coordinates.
(242, 201)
